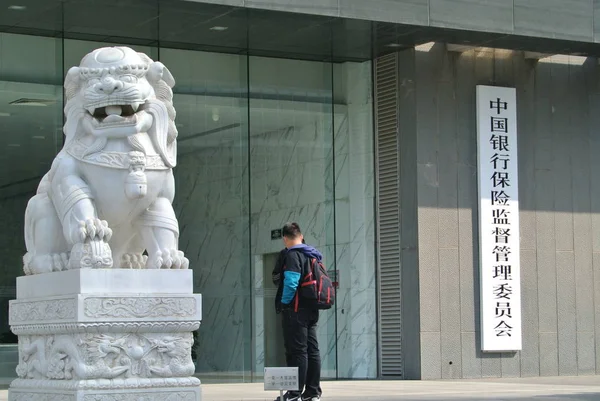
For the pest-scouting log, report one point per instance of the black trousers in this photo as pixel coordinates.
(302, 348)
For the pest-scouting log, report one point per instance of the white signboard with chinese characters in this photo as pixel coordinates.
(281, 379)
(499, 251)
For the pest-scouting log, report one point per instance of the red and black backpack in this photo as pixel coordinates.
(316, 288)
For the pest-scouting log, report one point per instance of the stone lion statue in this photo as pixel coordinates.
(107, 199)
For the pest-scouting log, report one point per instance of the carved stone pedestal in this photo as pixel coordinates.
(106, 335)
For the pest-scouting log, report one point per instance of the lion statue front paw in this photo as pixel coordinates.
(92, 254)
(168, 259)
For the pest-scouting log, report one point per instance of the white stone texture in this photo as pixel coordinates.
(94, 281)
(191, 393)
(107, 197)
(97, 319)
(85, 342)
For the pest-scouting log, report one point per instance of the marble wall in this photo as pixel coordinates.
(296, 186)
(227, 214)
(212, 208)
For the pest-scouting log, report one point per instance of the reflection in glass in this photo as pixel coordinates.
(291, 138)
(212, 203)
(30, 136)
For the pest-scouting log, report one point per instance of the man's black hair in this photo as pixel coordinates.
(291, 230)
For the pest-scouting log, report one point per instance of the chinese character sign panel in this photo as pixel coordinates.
(281, 379)
(498, 219)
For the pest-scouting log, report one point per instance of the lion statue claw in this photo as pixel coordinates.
(107, 199)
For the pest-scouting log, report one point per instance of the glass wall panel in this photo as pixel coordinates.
(355, 221)
(115, 21)
(212, 201)
(30, 136)
(262, 141)
(291, 167)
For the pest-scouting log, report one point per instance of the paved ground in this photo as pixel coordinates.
(542, 389)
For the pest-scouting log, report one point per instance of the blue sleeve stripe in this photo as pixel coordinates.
(290, 284)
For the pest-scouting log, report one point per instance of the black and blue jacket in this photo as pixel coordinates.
(296, 262)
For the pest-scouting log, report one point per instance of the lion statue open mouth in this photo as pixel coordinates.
(107, 199)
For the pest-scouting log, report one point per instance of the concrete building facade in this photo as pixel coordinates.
(358, 119)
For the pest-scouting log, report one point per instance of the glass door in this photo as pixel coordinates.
(291, 179)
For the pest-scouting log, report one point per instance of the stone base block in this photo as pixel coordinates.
(99, 281)
(106, 335)
(181, 389)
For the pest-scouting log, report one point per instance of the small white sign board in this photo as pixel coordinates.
(281, 379)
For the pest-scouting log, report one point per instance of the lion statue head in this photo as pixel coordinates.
(117, 92)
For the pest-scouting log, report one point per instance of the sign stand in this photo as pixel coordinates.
(281, 379)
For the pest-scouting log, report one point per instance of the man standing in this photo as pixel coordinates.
(299, 319)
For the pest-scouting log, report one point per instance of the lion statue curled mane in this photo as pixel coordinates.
(107, 199)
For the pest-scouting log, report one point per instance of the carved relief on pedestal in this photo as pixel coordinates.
(105, 356)
(43, 397)
(98, 308)
(135, 307)
(55, 309)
